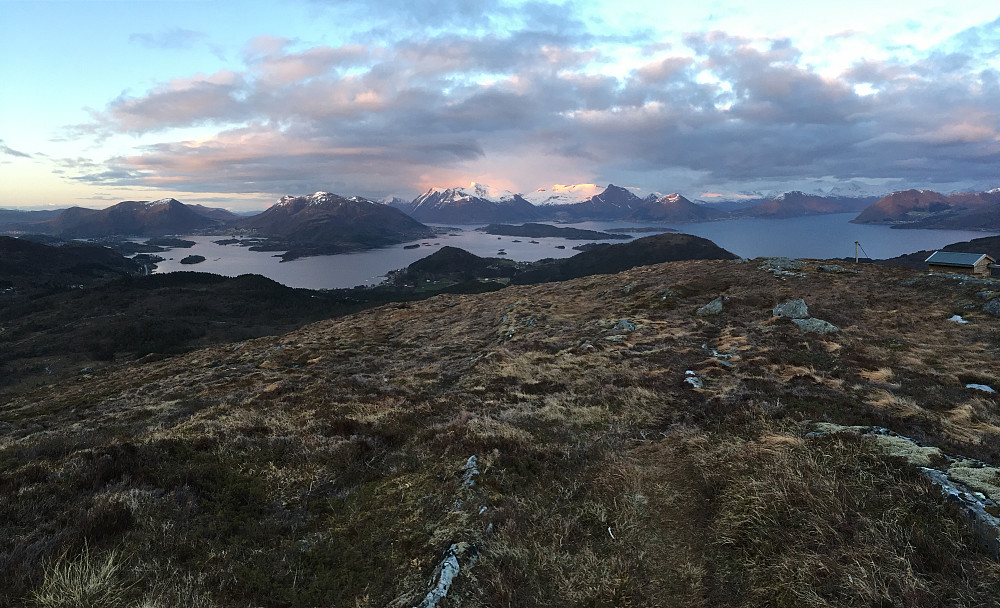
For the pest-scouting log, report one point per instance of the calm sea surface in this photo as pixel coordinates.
(824, 236)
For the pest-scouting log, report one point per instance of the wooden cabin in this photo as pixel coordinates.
(978, 264)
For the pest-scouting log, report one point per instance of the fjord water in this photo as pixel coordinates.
(821, 236)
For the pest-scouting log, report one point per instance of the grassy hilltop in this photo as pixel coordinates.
(331, 466)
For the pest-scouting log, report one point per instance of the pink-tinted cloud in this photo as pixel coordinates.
(716, 109)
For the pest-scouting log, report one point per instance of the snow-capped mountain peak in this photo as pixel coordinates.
(320, 197)
(491, 194)
(473, 204)
(474, 190)
(563, 194)
(316, 199)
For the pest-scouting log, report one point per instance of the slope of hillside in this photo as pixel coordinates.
(595, 442)
(17, 221)
(613, 203)
(928, 209)
(796, 204)
(990, 245)
(325, 223)
(654, 249)
(27, 268)
(532, 230)
(985, 217)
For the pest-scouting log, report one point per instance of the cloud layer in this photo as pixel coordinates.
(556, 103)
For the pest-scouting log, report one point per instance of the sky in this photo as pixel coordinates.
(235, 104)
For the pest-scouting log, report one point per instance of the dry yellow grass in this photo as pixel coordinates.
(326, 466)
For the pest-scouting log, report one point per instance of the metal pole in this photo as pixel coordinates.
(856, 243)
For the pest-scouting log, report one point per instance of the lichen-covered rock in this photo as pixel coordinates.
(780, 264)
(712, 308)
(624, 325)
(792, 309)
(992, 307)
(816, 326)
(904, 448)
(979, 477)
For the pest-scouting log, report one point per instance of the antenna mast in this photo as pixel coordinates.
(856, 245)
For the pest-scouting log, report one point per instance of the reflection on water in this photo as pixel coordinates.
(825, 236)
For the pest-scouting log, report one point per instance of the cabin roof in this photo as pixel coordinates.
(955, 258)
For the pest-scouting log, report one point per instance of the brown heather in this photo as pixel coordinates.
(325, 467)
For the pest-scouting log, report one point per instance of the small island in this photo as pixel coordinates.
(641, 230)
(545, 230)
(171, 243)
(193, 259)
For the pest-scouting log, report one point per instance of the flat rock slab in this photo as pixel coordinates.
(816, 326)
(792, 309)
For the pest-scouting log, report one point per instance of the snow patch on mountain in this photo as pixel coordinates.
(317, 199)
(854, 189)
(473, 190)
(563, 194)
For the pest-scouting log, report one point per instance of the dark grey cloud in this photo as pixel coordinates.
(711, 109)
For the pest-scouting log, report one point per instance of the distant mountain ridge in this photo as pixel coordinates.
(672, 208)
(482, 204)
(796, 204)
(479, 204)
(132, 218)
(323, 223)
(475, 204)
(930, 209)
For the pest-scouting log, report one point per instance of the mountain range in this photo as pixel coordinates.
(795, 204)
(135, 218)
(479, 204)
(325, 222)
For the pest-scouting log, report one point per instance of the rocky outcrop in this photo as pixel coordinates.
(712, 308)
(781, 267)
(798, 312)
(816, 326)
(792, 309)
